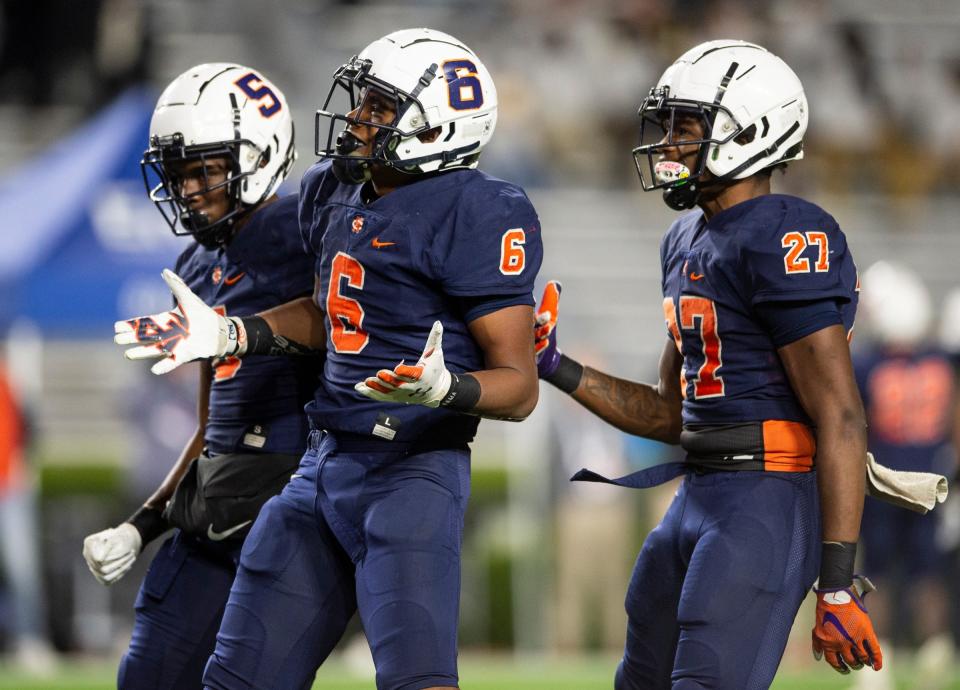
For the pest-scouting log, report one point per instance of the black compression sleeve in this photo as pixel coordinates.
(149, 523)
(464, 393)
(836, 564)
(567, 376)
(261, 340)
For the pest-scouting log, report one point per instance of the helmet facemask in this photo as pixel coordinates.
(162, 167)
(353, 85)
(661, 122)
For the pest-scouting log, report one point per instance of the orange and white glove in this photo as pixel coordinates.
(843, 632)
(425, 383)
(545, 330)
(191, 331)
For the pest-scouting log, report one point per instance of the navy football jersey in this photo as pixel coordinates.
(908, 397)
(256, 403)
(450, 247)
(774, 248)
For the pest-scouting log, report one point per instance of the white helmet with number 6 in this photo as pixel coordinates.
(218, 110)
(434, 81)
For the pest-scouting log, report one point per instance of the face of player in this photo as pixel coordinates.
(375, 108)
(192, 177)
(685, 128)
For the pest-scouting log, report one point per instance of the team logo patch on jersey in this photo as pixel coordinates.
(357, 225)
(216, 275)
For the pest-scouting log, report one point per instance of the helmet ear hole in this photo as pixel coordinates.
(430, 135)
(747, 135)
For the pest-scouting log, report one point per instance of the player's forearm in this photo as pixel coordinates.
(841, 473)
(194, 447)
(636, 408)
(294, 328)
(300, 321)
(506, 393)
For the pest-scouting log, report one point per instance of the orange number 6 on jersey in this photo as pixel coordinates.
(512, 256)
(345, 313)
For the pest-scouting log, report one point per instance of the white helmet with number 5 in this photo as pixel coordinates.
(434, 81)
(218, 110)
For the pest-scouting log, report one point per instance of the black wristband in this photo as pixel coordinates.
(567, 376)
(259, 335)
(836, 564)
(149, 523)
(464, 393)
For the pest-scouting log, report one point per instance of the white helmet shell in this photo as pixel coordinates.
(228, 104)
(438, 82)
(755, 89)
(461, 99)
(896, 303)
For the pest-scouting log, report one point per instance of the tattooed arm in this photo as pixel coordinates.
(637, 408)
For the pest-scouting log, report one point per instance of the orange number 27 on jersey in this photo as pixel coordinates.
(345, 313)
(796, 242)
(693, 309)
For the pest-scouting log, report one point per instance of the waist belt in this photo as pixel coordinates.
(772, 446)
(644, 479)
(360, 443)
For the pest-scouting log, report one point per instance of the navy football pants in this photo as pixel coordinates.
(178, 612)
(718, 583)
(370, 531)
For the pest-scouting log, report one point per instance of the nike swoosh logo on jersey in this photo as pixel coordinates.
(233, 279)
(220, 536)
(696, 276)
(377, 243)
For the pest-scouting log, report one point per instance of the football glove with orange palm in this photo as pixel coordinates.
(425, 383)
(545, 330)
(843, 632)
(428, 382)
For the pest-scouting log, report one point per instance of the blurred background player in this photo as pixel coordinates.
(412, 246)
(759, 294)
(221, 143)
(19, 563)
(909, 392)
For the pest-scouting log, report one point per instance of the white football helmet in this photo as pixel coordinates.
(896, 303)
(218, 110)
(752, 107)
(434, 81)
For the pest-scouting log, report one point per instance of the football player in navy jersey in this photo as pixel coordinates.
(909, 393)
(423, 305)
(221, 142)
(756, 385)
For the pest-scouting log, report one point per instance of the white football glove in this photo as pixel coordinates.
(191, 331)
(426, 383)
(111, 553)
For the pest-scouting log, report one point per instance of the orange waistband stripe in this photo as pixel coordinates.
(788, 446)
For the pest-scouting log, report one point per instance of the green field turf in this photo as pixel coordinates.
(477, 673)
